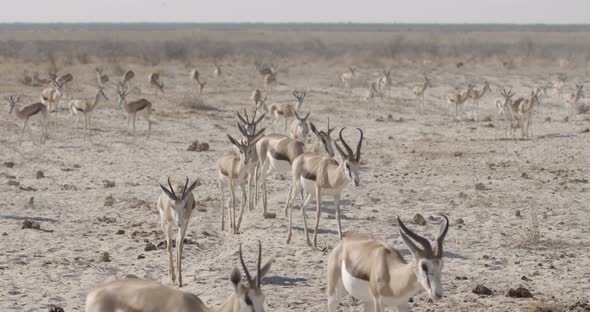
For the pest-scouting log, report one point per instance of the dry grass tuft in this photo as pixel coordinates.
(530, 235)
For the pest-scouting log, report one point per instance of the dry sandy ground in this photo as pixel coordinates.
(428, 164)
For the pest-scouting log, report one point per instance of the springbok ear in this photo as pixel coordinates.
(264, 270)
(167, 192)
(189, 189)
(233, 141)
(235, 277)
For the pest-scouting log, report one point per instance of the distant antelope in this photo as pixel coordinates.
(419, 91)
(248, 127)
(503, 101)
(558, 86)
(217, 71)
(286, 111)
(195, 76)
(476, 95)
(384, 82)
(299, 128)
(572, 102)
(156, 82)
(264, 69)
(86, 107)
(141, 106)
(270, 81)
(134, 294)
(127, 76)
(348, 77)
(375, 273)
(259, 101)
(28, 112)
(458, 100)
(321, 175)
(522, 109)
(175, 205)
(52, 96)
(101, 79)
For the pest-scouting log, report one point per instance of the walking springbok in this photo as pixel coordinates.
(476, 95)
(248, 130)
(286, 111)
(156, 82)
(86, 107)
(196, 78)
(101, 79)
(299, 128)
(458, 99)
(134, 294)
(419, 91)
(572, 102)
(233, 169)
(321, 175)
(28, 112)
(175, 206)
(52, 96)
(348, 77)
(372, 271)
(141, 106)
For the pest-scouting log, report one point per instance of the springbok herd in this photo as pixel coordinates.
(279, 138)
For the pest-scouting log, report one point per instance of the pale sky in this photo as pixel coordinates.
(361, 11)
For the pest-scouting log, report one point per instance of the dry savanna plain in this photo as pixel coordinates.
(518, 208)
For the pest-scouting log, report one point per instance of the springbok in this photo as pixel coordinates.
(572, 102)
(134, 294)
(156, 82)
(521, 110)
(558, 86)
(458, 100)
(372, 271)
(286, 111)
(52, 96)
(348, 77)
(384, 81)
(259, 101)
(196, 78)
(503, 101)
(101, 79)
(27, 112)
(127, 76)
(141, 106)
(233, 170)
(299, 129)
(248, 129)
(270, 81)
(319, 175)
(217, 71)
(86, 107)
(419, 91)
(175, 206)
(476, 95)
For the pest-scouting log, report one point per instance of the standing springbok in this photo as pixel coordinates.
(286, 111)
(134, 294)
(372, 271)
(52, 96)
(348, 77)
(196, 78)
(259, 101)
(458, 99)
(27, 112)
(101, 79)
(156, 82)
(476, 95)
(141, 106)
(503, 101)
(384, 81)
(558, 86)
(299, 129)
(217, 71)
(86, 107)
(525, 112)
(572, 102)
(321, 175)
(248, 129)
(175, 206)
(419, 91)
(127, 76)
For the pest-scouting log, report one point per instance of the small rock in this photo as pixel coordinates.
(109, 201)
(548, 119)
(517, 213)
(481, 290)
(120, 232)
(56, 309)
(105, 257)
(4, 234)
(13, 183)
(108, 183)
(141, 256)
(524, 175)
(197, 146)
(206, 234)
(524, 278)
(270, 215)
(419, 219)
(149, 247)
(28, 224)
(8, 164)
(519, 292)
(458, 154)
(481, 187)
(459, 221)
(587, 130)
(40, 174)
(76, 166)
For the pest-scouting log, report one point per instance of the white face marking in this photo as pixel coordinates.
(429, 277)
(178, 214)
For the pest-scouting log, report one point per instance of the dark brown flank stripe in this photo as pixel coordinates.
(308, 175)
(279, 156)
(37, 110)
(79, 109)
(358, 274)
(141, 107)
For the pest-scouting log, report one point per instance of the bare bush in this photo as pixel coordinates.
(530, 235)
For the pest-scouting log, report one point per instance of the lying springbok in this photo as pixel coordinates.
(101, 79)
(299, 129)
(572, 102)
(175, 206)
(86, 107)
(156, 82)
(476, 95)
(458, 99)
(141, 106)
(286, 111)
(348, 77)
(28, 112)
(233, 171)
(134, 294)
(319, 175)
(419, 91)
(372, 271)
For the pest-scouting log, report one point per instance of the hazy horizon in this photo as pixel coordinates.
(303, 11)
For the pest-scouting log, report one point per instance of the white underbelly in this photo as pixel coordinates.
(280, 166)
(359, 289)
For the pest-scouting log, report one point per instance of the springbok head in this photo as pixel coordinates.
(178, 200)
(249, 294)
(352, 161)
(13, 101)
(325, 137)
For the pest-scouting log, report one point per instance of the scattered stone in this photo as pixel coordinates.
(206, 234)
(109, 201)
(419, 219)
(517, 213)
(40, 174)
(13, 183)
(519, 292)
(76, 166)
(150, 247)
(270, 215)
(548, 119)
(587, 130)
(106, 219)
(105, 257)
(459, 221)
(8, 164)
(526, 279)
(30, 203)
(487, 118)
(197, 146)
(120, 232)
(141, 256)
(108, 183)
(55, 309)
(458, 154)
(481, 187)
(28, 224)
(524, 175)
(4, 234)
(482, 290)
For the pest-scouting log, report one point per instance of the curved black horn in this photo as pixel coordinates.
(246, 114)
(258, 276)
(184, 189)
(306, 116)
(358, 147)
(250, 281)
(441, 237)
(427, 248)
(171, 188)
(241, 118)
(348, 149)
